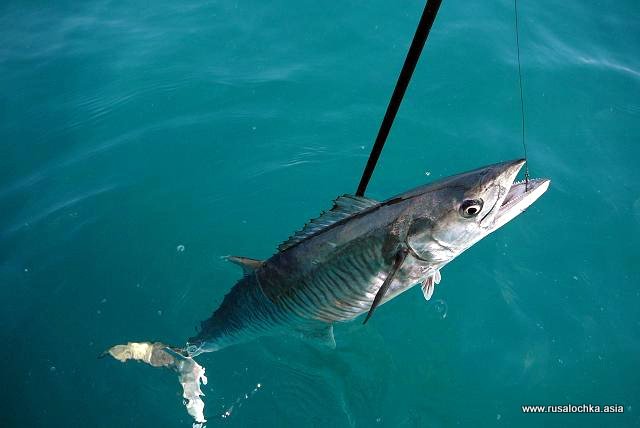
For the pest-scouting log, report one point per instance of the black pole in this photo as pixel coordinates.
(419, 39)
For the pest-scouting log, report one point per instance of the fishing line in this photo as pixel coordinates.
(524, 144)
(419, 39)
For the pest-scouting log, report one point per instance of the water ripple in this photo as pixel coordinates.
(56, 207)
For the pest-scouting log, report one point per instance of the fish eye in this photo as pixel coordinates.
(470, 208)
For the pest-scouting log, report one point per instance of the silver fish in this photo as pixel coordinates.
(358, 256)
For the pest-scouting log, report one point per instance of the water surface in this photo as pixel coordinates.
(142, 141)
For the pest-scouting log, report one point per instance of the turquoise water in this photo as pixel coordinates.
(129, 129)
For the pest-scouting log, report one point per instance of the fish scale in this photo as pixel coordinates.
(335, 298)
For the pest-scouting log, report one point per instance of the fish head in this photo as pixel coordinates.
(454, 213)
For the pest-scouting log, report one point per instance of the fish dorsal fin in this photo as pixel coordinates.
(248, 265)
(343, 207)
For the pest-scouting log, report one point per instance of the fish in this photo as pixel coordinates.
(347, 263)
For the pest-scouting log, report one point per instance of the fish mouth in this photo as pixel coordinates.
(520, 196)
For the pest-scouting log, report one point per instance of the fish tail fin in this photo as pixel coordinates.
(190, 373)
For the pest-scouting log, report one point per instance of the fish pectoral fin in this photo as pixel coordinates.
(397, 262)
(248, 265)
(429, 284)
(322, 335)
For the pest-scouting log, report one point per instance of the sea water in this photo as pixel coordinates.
(140, 142)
